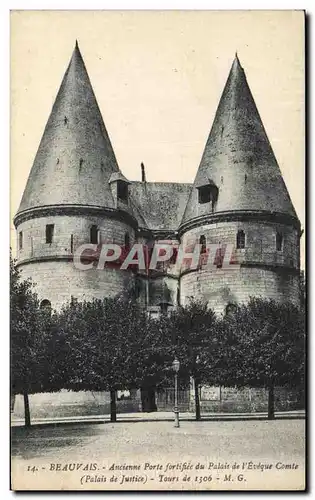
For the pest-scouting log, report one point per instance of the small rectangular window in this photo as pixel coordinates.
(20, 240)
(94, 235)
(240, 239)
(49, 233)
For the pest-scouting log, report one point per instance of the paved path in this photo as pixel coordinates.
(156, 455)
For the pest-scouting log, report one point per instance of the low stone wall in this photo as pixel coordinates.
(71, 404)
(212, 400)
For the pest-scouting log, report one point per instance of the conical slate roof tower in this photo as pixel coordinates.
(75, 158)
(238, 158)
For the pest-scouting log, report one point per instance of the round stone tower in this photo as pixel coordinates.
(239, 201)
(75, 195)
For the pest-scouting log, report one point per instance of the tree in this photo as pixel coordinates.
(193, 332)
(24, 320)
(101, 341)
(265, 346)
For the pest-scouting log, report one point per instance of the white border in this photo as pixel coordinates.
(5, 6)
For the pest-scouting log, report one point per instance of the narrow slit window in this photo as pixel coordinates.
(94, 235)
(50, 233)
(20, 240)
(203, 243)
(71, 244)
(240, 239)
(127, 240)
(137, 289)
(279, 242)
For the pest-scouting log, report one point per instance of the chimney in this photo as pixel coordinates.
(142, 173)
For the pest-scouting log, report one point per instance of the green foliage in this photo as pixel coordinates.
(28, 325)
(107, 344)
(112, 344)
(193, 331)
(265, 345)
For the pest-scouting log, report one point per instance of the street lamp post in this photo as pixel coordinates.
(197, 399)
(176, 366)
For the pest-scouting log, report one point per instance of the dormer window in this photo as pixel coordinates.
(279, 242)
(240, 239)
(208, 194)
(122, 191)
(94, 235)
(204, 194)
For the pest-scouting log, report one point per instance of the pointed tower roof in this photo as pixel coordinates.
(238, 157)
(75, 158)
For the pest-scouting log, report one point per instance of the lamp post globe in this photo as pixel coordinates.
(176, 365)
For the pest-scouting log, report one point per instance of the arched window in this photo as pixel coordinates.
(46, 305)
(94, 232)
(230, 309)
(279, 242)
(240, 239)
(203, 243)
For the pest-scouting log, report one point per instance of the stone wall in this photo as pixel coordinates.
(72, 404)
(51, 268)
(260, 241)
(57, 281)
(221, 287)
(34, 234)
(262, 271)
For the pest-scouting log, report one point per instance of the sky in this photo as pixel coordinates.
(158, 77)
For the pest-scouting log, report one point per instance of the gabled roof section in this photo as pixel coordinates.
(238, 157)
(75, 158)
(161, 204)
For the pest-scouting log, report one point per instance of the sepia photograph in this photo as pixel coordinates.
(157, 250)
